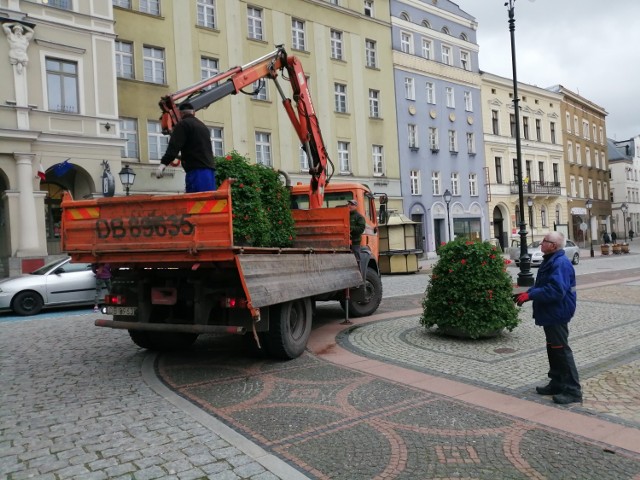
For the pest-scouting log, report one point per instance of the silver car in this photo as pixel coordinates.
(55, 284)
(571, 250)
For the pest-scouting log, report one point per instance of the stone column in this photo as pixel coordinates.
(28, 235)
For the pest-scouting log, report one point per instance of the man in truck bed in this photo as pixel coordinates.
(192, 140)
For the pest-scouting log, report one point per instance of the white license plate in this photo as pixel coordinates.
(125, 311)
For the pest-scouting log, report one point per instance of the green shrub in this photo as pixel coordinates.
(260, 202)
(470, 290)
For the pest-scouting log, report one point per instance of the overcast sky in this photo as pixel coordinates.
(589, 46)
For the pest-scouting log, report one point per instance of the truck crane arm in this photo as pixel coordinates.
(303, 117)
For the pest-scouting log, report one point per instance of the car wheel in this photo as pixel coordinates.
(27, 303)
(576, 259)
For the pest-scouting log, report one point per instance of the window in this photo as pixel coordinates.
(572, 186)
(525, 127)
(378, 159)
(405, 42)
(208, 67)
(150, 6)
(464, 60)
(435, 183)
(297, 34)
(207, 13)
(473, 184)
(445, 30)
(414, 177)
(541, 172)
(433, 139)
(124, 59)
(157, 141)
(370, 53)
(585, 129)
(587, 154)
(368, 8)
(516, 168)
(471, 143)
(576, 131)
(595, 133)
(261, 90)
(451, 101)
(552, 127)
(340, 96)
(254, 23)
(601, 136)
(598, 193)
(263, 148)
(498, 163)
(556, 176)
(455, 184)
(122, 3)
(304, 160)
(343, 157)
(374, 103)
(217, 141)
(590, 187)
(568, 122)
(578, 154)
(570, 152)
(129, 132)
(596, 154)
(446, 54)
(557, 214)
(409, 89)
(413, 136)
(468, 101)
(336, 44)
(581, 187)
(431, 93)
(543, 216)
(453, 141)
(153, 65)
(538, 129)
(512, 124)
(495, 123)
(427, 49)
(62, 85)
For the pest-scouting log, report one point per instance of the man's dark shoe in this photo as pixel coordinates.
(566, 398)
(548, 390)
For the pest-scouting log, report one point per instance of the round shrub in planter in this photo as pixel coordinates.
(470, 292)
(260, 202)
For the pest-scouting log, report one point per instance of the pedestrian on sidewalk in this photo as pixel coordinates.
(614, 237)
(605, 238)
(554, 303)
(631, 235)
(102, 272)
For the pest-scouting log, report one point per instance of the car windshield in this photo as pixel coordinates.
(44, 269)
(535, 244)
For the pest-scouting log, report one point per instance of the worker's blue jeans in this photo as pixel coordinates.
(200, 180)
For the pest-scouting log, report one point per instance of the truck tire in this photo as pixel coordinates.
(162, 341)
(289, 328)
(27, 303)
(364, 301)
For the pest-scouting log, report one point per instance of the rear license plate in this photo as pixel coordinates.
(124, 311)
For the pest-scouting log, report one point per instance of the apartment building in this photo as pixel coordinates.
(58, 118)
(624, 167)
(163, 46)
(437, 87)
(543, 176)
(586, 165)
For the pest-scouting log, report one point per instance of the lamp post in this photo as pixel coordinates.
(530, 204)
(525, 277)
(447, 199)
(624, 209)
(127, 177)
(588, 205)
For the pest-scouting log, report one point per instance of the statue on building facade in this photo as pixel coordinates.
(18, 36)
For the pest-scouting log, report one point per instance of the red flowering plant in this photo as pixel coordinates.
(260, 202)
(470, 292)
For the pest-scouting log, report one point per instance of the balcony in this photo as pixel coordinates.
(537, 188)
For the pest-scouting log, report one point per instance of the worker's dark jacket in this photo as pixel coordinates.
(357, 227)
(192, 139)
(554, 293)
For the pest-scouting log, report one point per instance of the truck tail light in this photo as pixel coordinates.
(233, 302)
(115, 300)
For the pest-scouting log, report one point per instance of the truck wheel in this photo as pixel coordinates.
(365, 300)
(162, 341)
(289, 328)
(27, 303)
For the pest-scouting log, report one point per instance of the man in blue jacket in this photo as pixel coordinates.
(554, 303)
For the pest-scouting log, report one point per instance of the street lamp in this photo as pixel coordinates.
(525, 277)
(624, 209)
(588, 206)
(127, 177)
(530, 204)
(447, 199)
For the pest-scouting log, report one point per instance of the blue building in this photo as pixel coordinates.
(440, 135)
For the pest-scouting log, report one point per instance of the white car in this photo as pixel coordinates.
(571, 250)
(55, 284)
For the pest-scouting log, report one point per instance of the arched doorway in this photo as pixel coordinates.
(498, 228)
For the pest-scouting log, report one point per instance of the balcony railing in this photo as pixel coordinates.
(540, 188)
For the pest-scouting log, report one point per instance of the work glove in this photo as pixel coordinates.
(160, 170)
(520, 298)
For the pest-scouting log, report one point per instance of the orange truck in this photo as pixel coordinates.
(177, 272)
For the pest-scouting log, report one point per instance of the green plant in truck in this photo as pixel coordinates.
(470, 291)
